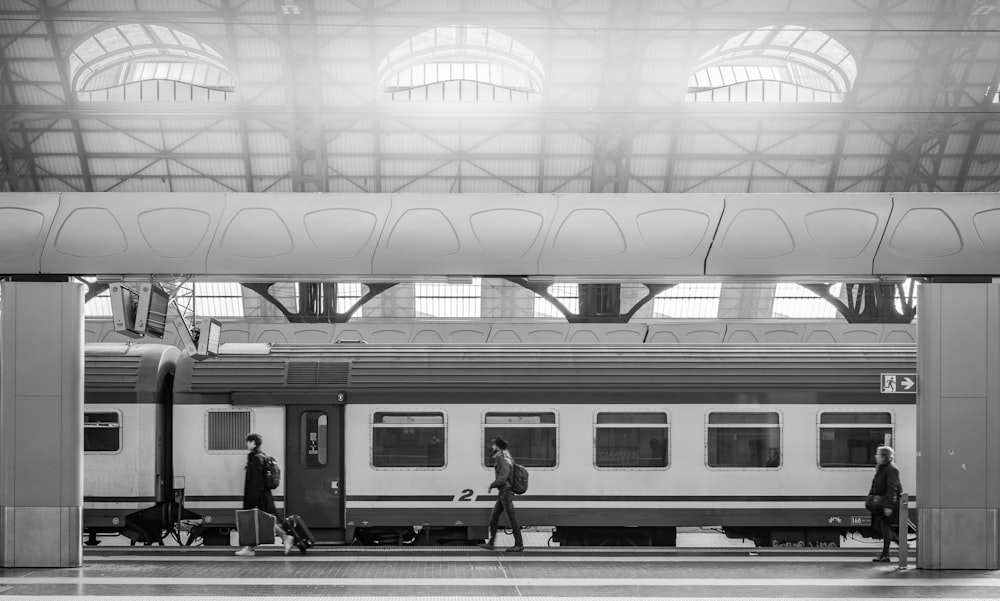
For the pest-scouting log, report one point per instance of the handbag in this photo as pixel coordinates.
(874, 502)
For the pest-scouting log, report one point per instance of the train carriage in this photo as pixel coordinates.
(388, 444)
(128, 482)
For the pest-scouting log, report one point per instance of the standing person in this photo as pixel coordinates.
(886, 485)
(503, 466)
(256, 494)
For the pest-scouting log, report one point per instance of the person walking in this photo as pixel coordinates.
(503, 466)
(887, 487)
(256, 494)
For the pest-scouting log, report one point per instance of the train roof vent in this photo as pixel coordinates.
(302, 373)
(332, 374)
(103, 372)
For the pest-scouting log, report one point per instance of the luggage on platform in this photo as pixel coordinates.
(255, 527)
(300, 532)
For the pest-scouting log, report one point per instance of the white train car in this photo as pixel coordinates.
(388, 443)
(126, 437)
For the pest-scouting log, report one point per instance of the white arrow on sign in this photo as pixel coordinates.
(907, 383)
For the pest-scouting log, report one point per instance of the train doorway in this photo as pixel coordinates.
(315, 467)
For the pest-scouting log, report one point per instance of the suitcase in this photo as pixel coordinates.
(300, 532)
(255, 527)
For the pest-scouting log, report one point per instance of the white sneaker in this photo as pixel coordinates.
(246, 552)
(289, 542)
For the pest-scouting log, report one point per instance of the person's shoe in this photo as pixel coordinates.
(881, 559)
(487, 546)
(246, 552)
(516, 549)
(288, 542)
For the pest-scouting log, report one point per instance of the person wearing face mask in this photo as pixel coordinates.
(257, 495)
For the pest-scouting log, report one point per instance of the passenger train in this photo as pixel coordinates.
(389, 444)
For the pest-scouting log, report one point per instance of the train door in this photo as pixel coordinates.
(314, 468)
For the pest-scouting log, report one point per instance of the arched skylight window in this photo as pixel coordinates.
(140, 62)
(461, 62)
(774, 64)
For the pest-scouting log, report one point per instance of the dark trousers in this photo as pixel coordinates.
(505, 503)
(885, 525)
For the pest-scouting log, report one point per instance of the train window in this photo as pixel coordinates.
(744, 439)
(102, 432)
(314, 439)
(226, 431)
(531, 437)
(631, 440)
(850, 439)
(408, 440)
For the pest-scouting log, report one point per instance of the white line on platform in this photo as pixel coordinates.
(484, 557)
(440, 598)
(837, 583)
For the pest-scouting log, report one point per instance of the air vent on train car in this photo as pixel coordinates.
(311, 373)
(105, 372)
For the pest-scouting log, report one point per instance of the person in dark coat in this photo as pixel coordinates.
(256, 494)
(885, 484)
(503, 467)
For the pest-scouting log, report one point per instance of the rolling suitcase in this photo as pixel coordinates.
(255, 527)
(300, 532)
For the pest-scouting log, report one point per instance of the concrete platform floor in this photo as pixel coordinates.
(461, 573)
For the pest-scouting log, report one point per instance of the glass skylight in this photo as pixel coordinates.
(774, 64)
(461, 63)
(139, 62)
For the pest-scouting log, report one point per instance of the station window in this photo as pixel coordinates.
(631, 440)
(850, 439)
(408, 440)
(436, 299)
(314, 438)
(744, 439)
(532, 437)
(567, 294)
(102, 432)
(226, 431)
(792, 301)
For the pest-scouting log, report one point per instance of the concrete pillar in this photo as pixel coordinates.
(958, 421)
(41, 424)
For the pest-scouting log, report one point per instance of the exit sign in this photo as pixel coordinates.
(899, 383)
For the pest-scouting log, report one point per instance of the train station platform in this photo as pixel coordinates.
(468, 573)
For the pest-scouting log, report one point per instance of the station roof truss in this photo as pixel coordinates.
(533, 96)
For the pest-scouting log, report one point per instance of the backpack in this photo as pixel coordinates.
(272, 473)
(518, 478)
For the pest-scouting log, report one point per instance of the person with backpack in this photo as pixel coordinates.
(503, 466)
(262, 475)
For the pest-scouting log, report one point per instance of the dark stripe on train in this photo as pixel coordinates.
(630, 498)
(816, 517)
(223, 498)
(119, 499)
